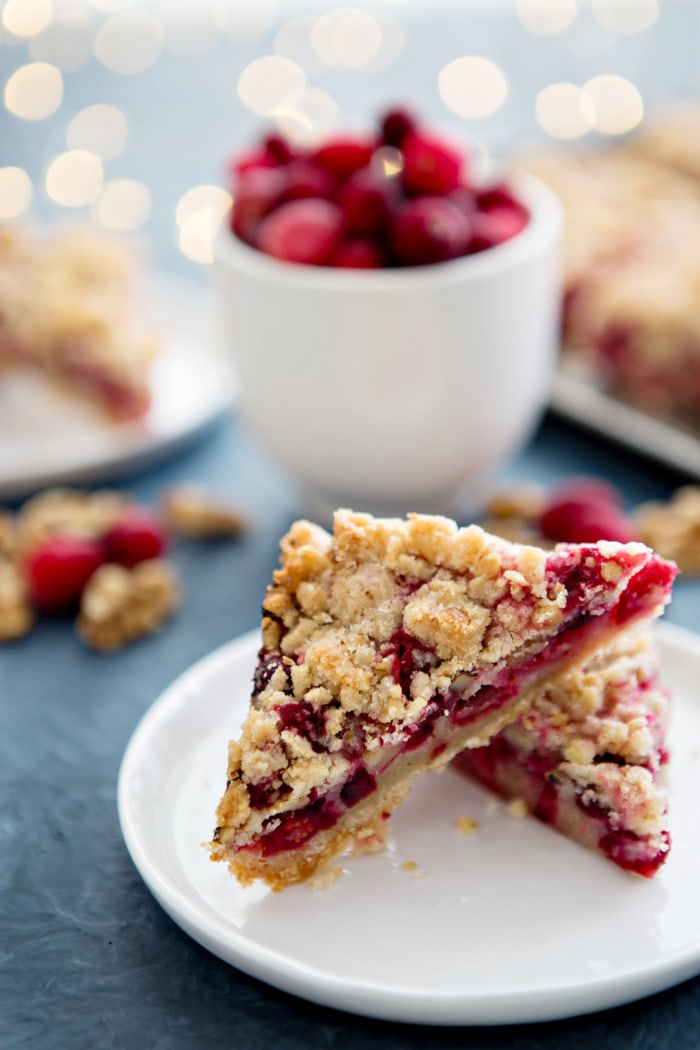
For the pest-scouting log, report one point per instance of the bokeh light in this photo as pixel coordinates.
(110, 6)
(186, 29)
(242, 21)
(34, 91)
(617, 104)
(129, 42)
(26, 18)
(271, 82)
(74, 178)
(67, 42)
(199, 215)
(313, 116)
(546, 17)
(293, 40)
(346, 38)
(103, 129)
(472, 87)
(625, 16)
(15, 192)
(564, 111)
(123, 205)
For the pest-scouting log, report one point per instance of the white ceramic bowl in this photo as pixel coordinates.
(400, 389)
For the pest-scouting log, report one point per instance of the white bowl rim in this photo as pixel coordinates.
(545, 224)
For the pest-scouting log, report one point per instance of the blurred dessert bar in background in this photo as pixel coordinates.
(69, 311)
(632, 263)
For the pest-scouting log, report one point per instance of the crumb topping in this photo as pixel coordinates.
(346, 616)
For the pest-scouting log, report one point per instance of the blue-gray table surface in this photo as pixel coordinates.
(87, 957)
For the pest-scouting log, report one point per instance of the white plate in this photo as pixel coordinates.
(47, 438)
(578, 397)
(509, 924)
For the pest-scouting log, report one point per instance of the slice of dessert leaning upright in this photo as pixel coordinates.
(589, 756)
(387, 648)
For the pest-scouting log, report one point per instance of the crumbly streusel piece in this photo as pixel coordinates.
(193, 512)
(16, 613)
(387, 648)
(673, 528)
(588, 757)
(120, 605)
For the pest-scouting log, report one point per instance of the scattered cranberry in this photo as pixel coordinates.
(358, 253)
(496, 196)
(430, 166)
(429, 230)
(397, 124)
(586, 510)
(252, 160)
(304, 231)
(138, 536)
(465, 199)
(257, 192)
(343, 156)
(58, 570)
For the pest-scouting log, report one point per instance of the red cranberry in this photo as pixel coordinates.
(358, 253)
(303, 231)
(256, 193)
(366, 199)
(496, 226)
(58, 569)
(344, 155)
(279, 149)
(396, 125)
(304, 179)
(465, 199)
(580, 521)
(138, 536)
(429, 230)
(252, 160)
(497, 195)
(430, 165)
(587, 489)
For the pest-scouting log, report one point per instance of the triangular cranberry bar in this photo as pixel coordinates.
(390, 646)
(589, 755)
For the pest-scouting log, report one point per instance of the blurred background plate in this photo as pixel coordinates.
(47, 438)
(577, 397)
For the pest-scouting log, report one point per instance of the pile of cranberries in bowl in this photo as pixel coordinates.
(400, 196)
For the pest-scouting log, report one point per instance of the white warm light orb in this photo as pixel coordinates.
(616, 102)
(100, 128)
(625, 16)
(347, 38)
(564, 111)
(244, 21)
(74, 178)
(392, 42)
(122, 206)
(34, 91)
(26, 18)
(110, 6)
(15, 192)
(186, 29)
(129, 42)
(546, 17)
(271, 82)
(310, 120)
(67, 42)
(199, 215)
(472, 87)
(293, 40)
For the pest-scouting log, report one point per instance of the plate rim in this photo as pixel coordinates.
(385, 1002)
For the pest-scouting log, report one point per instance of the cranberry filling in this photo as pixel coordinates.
(405, 650)
(298, 826)
(267, 665)
(302, 718)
